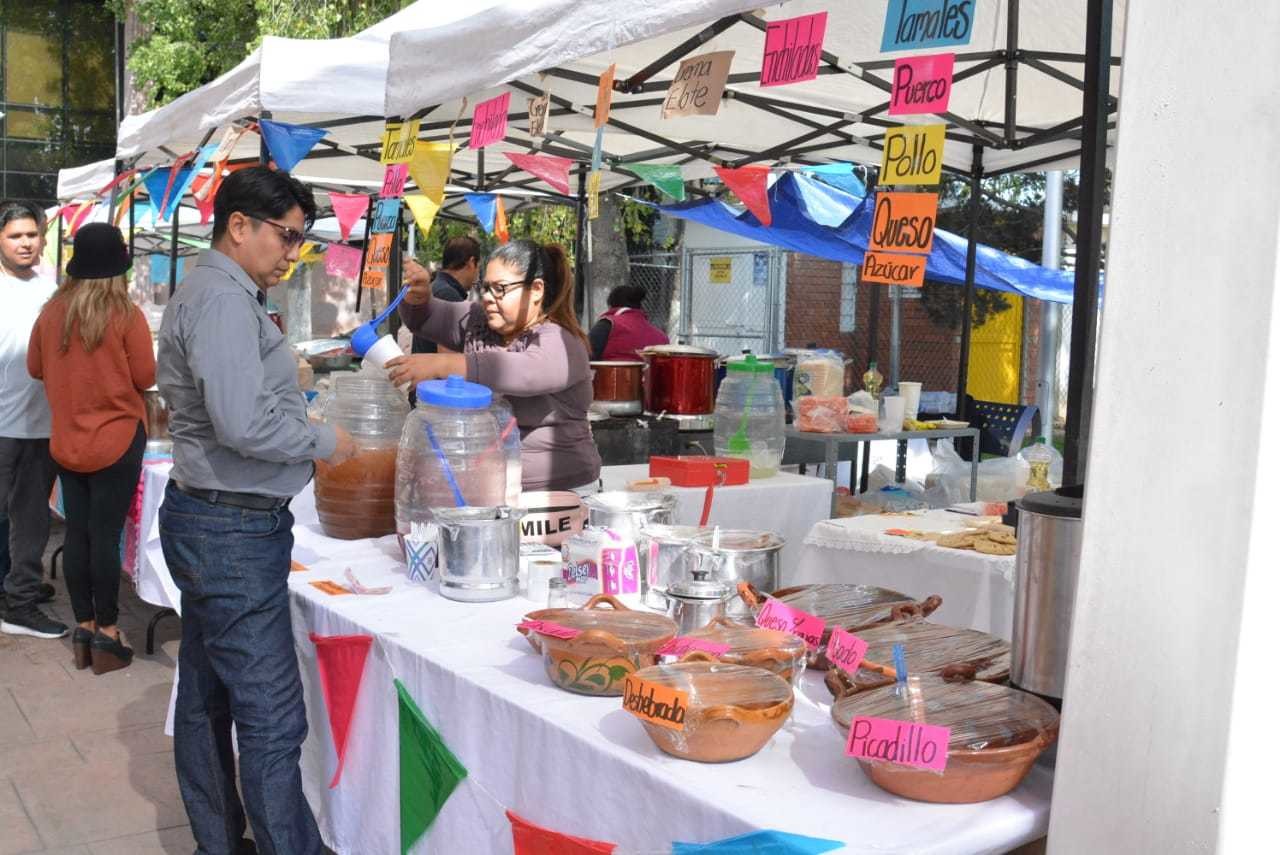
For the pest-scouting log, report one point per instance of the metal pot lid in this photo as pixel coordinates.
(615, 363)
(679, 350)
(671, 533)
(739, 540)
(695, 588)
(624, 501)
(1064, 502)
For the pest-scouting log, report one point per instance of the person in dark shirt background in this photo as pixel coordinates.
(459, 269)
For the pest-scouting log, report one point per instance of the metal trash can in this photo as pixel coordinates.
(1046, 566)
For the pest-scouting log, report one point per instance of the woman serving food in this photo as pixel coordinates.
(522, 340)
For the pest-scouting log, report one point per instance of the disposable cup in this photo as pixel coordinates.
(910, 393)
(384, 350)
(891, 413)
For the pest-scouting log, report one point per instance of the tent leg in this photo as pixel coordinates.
(895, 335)
(173, 250)
(580, 254)
(970, 268)
(1051, 258)
(364, 251)
(57, 274)
(873, 326)
(1093, 179)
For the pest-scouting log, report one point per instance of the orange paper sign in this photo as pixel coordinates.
(376, 261)
(660, 705)
(893, 269)
(604, 95)
(904, 222)
(331, 588)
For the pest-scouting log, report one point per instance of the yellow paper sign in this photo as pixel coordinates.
(721, 271)
(398, 141)
(655, 704)
(593, 195)
(913, 155)
(430, 168)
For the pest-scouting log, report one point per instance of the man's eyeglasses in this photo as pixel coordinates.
(290, 237)
(499, 289)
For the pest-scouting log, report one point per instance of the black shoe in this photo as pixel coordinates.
(81, 644)
(47, 593)
(31, 621)
(109, 654)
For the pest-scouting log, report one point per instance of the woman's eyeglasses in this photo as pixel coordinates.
(499, 289)
(290, 237)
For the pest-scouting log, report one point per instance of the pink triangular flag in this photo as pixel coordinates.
(342, 260)
(551, 169)
(348, 208)
(340, 659)
(751, 185)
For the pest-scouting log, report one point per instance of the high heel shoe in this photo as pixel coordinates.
(109, 654)
(81, 642)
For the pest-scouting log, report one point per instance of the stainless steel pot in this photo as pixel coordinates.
(662, 554)
(696, 600)
(1046, 566)
(737, 555)
(479, 552)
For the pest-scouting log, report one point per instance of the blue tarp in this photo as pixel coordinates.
(813, 217)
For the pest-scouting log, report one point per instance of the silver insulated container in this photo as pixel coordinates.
(479, 552)
(738, 555)
(1046, 566)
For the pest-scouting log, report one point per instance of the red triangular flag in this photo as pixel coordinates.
(348, 208)
(530, 839)
(751, 185)
(340, 659)
(551, 169)
(81, 215)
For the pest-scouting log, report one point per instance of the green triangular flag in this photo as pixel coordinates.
(667, 177)
(428, 771)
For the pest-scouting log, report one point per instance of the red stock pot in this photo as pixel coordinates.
(679, 380)
(617, 387)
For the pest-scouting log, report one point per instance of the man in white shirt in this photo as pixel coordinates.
(26, 469)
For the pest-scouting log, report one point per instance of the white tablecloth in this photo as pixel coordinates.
(976, 589)
(785, 504)
(576, 764)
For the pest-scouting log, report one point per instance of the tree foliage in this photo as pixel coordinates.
(184, 44)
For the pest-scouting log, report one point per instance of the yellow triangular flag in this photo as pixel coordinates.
(310, 252)
(430, 168)
(424, 212)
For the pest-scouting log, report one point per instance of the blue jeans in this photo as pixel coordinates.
(237, 663)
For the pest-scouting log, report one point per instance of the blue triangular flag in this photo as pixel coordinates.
(188, 174)
(287, 143)
(160, 269)
(839, 175)
(760, 843)
(156, 183)
(485, 207)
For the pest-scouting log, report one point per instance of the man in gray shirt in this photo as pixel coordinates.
(242, 448)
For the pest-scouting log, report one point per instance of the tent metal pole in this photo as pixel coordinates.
(264, 153)
(970, 270)
(111, 194)
(173, 249)
(480, 170)
(1051, 258)
(580, 252)
(680, 51)
(1093, 182)
(873, 325)
(1011, 76)
(132, 221)
(364, 251)
(895, 334)
(396, 272)
(57, 274)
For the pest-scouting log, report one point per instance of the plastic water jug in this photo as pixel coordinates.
(751, 418)
(452, 451)
(356, 498)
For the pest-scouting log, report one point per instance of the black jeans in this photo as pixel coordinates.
(96, 504)
(26, 478)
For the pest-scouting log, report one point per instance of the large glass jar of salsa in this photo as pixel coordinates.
(356, 498)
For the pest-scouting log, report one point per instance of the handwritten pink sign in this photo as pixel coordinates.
(904, 742)
(489, 121)
(845, 650)
(793, 49)
(546, 627)
(682, 644)
(921, 84)
(393, 180)
(778, 615)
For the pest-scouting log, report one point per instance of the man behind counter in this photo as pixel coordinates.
(459, 269)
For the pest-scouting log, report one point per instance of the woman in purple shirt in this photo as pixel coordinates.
(523, 341)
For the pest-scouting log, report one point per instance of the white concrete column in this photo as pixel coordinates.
(1186, 352)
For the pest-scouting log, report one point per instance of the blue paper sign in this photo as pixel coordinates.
(386, 213)
(914, 24)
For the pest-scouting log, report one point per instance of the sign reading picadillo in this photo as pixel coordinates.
(903, 742)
